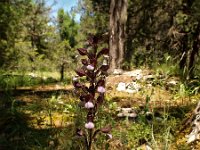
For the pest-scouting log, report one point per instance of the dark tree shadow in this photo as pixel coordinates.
(16, 130)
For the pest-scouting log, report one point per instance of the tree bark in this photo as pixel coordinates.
(194, 51)
(62, 70)
(118, 18)
(189, 49)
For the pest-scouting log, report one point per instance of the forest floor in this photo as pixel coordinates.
(43, 117)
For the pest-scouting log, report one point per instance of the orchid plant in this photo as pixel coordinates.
(94, 67)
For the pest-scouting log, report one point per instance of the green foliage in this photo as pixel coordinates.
(12, 81)
(94, 18)
(68, 28)
(10, 18)
(29, 42)
(168, 67)
(138, 132)
(64, 52)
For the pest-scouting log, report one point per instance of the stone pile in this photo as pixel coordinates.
(132, 87)
(126, 112)
(195, 134)
(139, 79)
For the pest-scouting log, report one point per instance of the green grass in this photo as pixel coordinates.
(48, 119)
(14, 80)
(29, 127)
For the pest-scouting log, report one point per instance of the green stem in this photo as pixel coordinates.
(86, 143)
(90, 140)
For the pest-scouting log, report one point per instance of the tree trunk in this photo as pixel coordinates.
(118, 18)
(184, 48)
(189, 50)
(194, 51)
(62, 68)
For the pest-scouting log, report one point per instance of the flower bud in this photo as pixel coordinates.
(104, 51)
(89, 125)
(79, 132)
(75, 78)
(90, 67)
(77, 84)
(80, 72)
(89, 105)
(109, 136)
(104, 67)
(101, 89)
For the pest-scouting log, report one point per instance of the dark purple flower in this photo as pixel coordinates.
(77, 84)
(79, 132)
(80, 72)
(82, 51)
(86, 97)
(91, 56)
(93, 62)
(92, 95)
(104, 67)
(104, 51)
(101, 82)
(93, 40)
(84, 61)
(100, 99)
(106, 129)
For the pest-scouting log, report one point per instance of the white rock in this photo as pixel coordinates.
(148, 77)
(133, 115)
(121, 86)
(172, 82)
(148, 147)
(139, 76)
(192, 137)
(195, 134)
(144, 147)
(149, 85)
(33, 75)
(134, 86)
(130, 91)
(135, 73)
(126, 109)
(127, 114)
(117, 71)
(120, 115)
